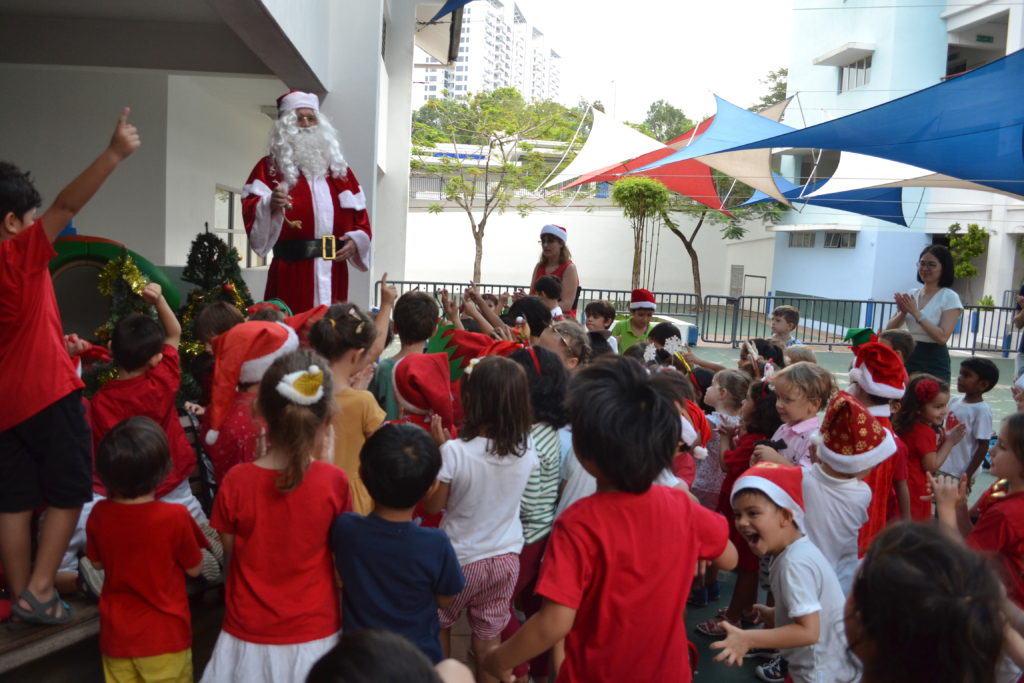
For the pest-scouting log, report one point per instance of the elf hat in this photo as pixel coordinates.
(783, 484)
(242, 355)
(641, 298)
(557, 231)
(696, 429)
(296, 99)
(879, 371)
(850, 439)
(423, 387)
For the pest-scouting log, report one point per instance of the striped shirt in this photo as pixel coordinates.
(537, 507)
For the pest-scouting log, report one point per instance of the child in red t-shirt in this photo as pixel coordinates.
(759, 419)
(999, 530)
(44, 437)
(145, 547)
(918, 423)
(274, 515)
(624, 433)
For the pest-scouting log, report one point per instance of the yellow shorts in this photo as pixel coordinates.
(175, 667)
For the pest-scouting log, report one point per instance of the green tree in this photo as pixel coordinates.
(965, 247)
(642, 200)
(494, 166)
(665, 122)
(777, 82)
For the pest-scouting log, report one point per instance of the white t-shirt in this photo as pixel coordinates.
(978, 419)
(803, 583)
(944, 300)
(834, 511)
(482, 517)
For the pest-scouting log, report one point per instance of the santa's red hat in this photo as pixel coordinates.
(296, 99)
(241, 356)
(696, 429)
(850, 439)
(557, 231)
(783, 484)
(423, 387)
(641, 298)
(879, 371)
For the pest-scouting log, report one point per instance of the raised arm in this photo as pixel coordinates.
(382, 323)
(80, 190)
(152, 294)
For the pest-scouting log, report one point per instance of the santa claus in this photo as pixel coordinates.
(303, 202)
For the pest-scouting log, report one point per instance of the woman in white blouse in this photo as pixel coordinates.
(930, 312)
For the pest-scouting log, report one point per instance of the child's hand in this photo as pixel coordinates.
(388, 292)
(471, 293)
(490, 665)
(451, 309)
(75, 345)
(734, 647)
(195, 409)
(764, 453)
(956, 434)
(946, 490)
(152, 293)
(126, 137)
(361, 380)
(1018, 397)
(438, 431)
(502, 333)
(518, 294)
(502, 302)
(728, 431)
(764, 614)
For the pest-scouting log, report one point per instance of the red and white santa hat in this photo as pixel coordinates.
(423, 387)
(641, 298)
(696, 429)
(850, 439)
(879, 371)
(241, 356)
(783, 484)
(556, 230)
(296, 99)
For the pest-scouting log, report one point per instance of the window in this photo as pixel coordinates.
(855, 75)
(801, 240)
(840, 240)
(227, 224)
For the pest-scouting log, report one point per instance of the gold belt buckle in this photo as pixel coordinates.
(332, 253)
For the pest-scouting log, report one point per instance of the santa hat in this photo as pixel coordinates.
(557, 231)
(303, 322)
(696, 429)
(783, 484)
(296, 99)
(272, 304)
(641, 298)
(879, 371)
(423, 388)
(242, 355)
(850, 439)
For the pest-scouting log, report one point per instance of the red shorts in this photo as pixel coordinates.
(486, 597)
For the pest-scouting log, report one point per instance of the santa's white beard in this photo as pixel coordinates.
(311, 152)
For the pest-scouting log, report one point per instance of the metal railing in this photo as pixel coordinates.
(731, 320)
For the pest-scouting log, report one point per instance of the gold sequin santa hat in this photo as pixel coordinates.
(850, 439)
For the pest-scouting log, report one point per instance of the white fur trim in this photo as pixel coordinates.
(266, 226)
(862, 376)
(252, 370)
(361, 259)
(556, 230)
(699, 452)
(851, 464)
(299, 100)
(689, 435)
(773, 491)
(356, 202)
(642, 304)
(211, 437)
(323, 215)
(881, 410)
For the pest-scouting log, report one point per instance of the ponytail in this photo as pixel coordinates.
(343, 327)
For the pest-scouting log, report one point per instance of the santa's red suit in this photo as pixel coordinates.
(325, 206)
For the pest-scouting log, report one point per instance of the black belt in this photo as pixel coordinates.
(300, 250)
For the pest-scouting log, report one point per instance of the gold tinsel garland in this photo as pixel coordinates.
(194, 348)
(121, 268)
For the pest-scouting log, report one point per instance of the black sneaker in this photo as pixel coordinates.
(773, 671)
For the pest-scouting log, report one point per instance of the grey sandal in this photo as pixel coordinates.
(42, 613)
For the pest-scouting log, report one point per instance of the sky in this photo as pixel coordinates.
(629, 54)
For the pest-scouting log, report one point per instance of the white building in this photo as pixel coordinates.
(498, 47)
(847, 57)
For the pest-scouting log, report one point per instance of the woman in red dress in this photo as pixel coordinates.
(556, 260)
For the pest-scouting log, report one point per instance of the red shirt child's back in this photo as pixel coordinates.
(625, 563)
(1000, 531)
(145, 550)
(152, 395)
(37, 370)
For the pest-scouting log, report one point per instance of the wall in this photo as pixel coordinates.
(441, 248)
(215, 135)
(64, 119)
(307, 23)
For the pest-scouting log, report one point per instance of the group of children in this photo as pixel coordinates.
(556, 493)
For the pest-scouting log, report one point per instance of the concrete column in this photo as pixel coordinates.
(1001, 254)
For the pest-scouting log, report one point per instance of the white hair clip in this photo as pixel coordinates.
(304, 387)
(472, 364)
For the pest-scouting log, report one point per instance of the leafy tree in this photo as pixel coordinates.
(776, 82)
(665, 122)
(493, 161)
(965, 247)
(642, 200)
